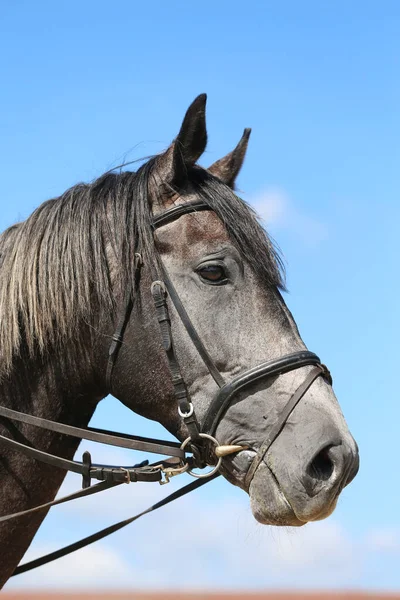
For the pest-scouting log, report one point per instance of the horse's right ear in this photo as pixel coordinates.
(172, 166)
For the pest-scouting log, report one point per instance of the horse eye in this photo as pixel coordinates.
(213, 273)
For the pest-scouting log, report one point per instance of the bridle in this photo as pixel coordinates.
(201, 441)
(164, 289)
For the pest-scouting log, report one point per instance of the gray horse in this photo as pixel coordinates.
(64, 275)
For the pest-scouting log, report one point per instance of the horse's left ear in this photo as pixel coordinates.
(227, 168)
(172, 166)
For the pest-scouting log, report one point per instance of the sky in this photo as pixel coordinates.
(85, 86)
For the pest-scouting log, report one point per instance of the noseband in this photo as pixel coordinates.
(206, 430)
(201, 441)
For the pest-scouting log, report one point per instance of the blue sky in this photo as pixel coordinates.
(87, 85)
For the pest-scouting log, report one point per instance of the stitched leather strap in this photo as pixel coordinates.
(181, 392)
(177, 211)
(103, 436)
(87, 491)
(272, 368)
(99, 472)
(160, 302)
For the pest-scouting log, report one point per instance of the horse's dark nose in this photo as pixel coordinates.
(334, 465)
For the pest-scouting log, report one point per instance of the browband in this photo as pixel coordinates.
(177, 211)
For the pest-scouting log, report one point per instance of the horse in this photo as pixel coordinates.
(223, 367)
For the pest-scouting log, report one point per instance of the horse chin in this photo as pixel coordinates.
(269, 504)
(273, 502)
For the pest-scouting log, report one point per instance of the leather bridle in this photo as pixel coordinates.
(201, 441)
(164, 289)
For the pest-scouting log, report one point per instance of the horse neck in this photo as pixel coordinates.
(53, 393)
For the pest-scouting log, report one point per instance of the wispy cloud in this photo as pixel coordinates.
(219, 547)
(276, 208)
(384, 540)
(93, 567)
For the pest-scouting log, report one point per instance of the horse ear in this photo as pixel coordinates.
(227, 168)
(186, 149)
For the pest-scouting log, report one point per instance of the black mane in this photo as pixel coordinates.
(53, 264)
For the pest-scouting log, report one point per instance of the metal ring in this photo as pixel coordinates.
(188, 414)
(217, 466)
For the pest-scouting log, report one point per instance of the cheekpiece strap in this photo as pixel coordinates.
(185, 407)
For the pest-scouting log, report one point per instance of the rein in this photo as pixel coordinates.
(200, 443)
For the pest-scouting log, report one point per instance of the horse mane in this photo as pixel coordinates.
(66, 254)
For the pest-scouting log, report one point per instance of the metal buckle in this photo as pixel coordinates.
(172, 472)
(160, 283)
(127, 474)
(138, 259)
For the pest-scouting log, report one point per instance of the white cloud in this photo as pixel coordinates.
(276, 208)
(271, 205)
(92, 567)
(384, 540)
(236, 552)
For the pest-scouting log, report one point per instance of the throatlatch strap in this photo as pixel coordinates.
(118, 335)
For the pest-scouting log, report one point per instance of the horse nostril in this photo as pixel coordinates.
(321, 467)
(333, 467)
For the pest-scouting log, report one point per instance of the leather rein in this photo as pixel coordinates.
(201, 441)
